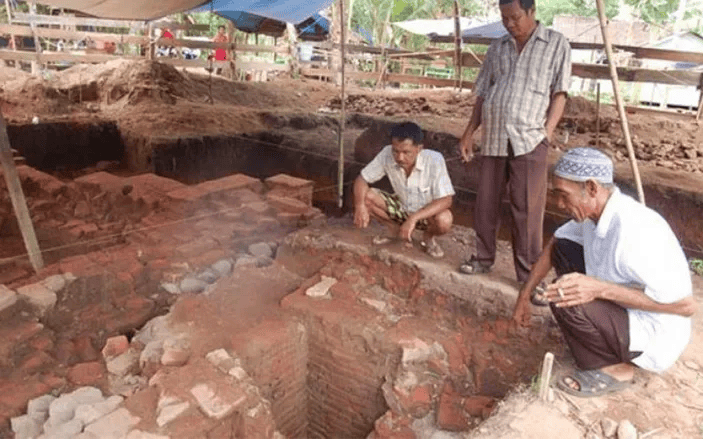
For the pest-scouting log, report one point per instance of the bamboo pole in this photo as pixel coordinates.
(545, 376)
(342, 117)
(457, 45)
(597, 114)
(384, 59)
(618, 98)
(19, 203)
(37, 43)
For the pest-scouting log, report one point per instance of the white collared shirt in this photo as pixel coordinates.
(428, 181)
(633, 245)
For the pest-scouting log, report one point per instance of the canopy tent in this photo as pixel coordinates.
(315, 27)
(488, 30)
(442, 26)
(289, 11)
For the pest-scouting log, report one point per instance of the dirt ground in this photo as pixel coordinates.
(154, 98)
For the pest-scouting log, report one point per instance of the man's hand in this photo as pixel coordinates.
(466, 148)
(361, 216)
(521, 314)
(406, 230)
(575, 289)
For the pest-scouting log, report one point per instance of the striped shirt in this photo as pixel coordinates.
(517, 90)
(428, 181)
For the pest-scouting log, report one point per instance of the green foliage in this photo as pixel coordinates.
(697, 266)
(548, 9)
(654, 11)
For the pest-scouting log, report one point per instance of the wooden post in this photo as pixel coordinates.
(618, 98)
(384, 59)
(19, 203)
(232, 51)
(597, 114)
(37, 43)
(457, 45)
(13, 43)
(545, 376)
(700, 100)
(293, 50)
(342, 115)
(152, 43)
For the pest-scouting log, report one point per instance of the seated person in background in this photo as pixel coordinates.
(623, 298)
(423, 192)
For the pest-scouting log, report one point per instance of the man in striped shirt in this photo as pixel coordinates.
(521, 92)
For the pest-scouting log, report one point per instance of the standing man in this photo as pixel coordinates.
(521, 92)
(422, 195)
(623, 298)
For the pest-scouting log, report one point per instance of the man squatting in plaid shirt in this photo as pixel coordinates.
(422, 189)
(521, 92)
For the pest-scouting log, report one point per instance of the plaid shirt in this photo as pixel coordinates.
(517, 90)
(428, 181)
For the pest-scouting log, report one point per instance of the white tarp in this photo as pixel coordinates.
(440, 27)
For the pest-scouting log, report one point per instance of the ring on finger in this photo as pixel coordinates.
(561, 292)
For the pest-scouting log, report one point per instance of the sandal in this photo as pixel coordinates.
(433, 249)
(380, 240)
(591, 383)
(474, 266)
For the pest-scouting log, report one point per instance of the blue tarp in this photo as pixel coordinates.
(287, 11)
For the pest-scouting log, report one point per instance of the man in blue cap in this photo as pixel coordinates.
(623, 295)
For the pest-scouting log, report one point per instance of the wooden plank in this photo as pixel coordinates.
(197, 44)
(630, 74)
(638, 52)
(19, 203)
(76, 21)
(244, 65)
(73, 35)
(391, 77)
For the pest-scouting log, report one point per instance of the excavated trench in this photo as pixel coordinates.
(303, 146)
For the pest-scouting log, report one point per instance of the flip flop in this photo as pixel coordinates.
(591, 383)
(473, 266)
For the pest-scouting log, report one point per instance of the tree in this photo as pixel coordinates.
(548, 9)
(654, 11)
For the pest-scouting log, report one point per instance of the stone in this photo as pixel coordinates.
(171, 288)
(246, 261)
(38, 408)
(176, 352)
(609, 427)
(82, 210)
(262, 262)
(223, 267)
(26, 427)
(124, 364)
(192, 285)
(450, 412)
(67, 430)
(217, 406)
(208, 275)
(151, 354)
(89, 413)
(7, 297)
(138, 434)
(170, 412)
(688, 363)
(115, 346)
(115, 425)
(222, 360)
(321, 289)
(261, 249)
(415, 351)
(626, 430)
(592, 435)
(85, 374)
(55, 283)
(287, 205)
(39, 296)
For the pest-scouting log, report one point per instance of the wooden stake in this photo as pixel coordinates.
(597, 114)
(342, 117)
(457, 45)
(384, 59)
(37, 43)
(546, 375)
(700, 101)
(618, 98)
(293, 48)
(12, 36)
(19, 203)
(151, 50)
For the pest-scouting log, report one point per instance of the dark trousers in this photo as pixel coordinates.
(598, 332)
(526, 179)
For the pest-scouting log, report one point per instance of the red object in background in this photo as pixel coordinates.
(167, 34)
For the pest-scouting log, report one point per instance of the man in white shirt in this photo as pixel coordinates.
(623, 296)
(423, 191)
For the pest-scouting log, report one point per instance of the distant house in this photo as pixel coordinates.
(669, 95)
